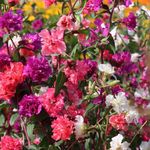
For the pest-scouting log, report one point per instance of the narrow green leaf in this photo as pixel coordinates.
(61, 78)
(2, 119)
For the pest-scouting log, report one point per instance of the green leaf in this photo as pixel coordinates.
(89, 107)
(13, 119)
(73, 52)
(1, 42)
(2, 119)
(30, 128)
(61, 79)
(82, 6)
(3, 105)
(5, 38)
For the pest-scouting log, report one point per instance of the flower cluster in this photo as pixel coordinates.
(74, 74)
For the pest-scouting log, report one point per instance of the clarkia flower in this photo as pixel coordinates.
(118, 144)
(145, 145)
(29, 106)
(106, 68)
(52, 42)
(66, 23)
(92, 6)
(62, 128)
(10, 143)
(79, 126)
(37, 24)
(31, 41)
(11, 21)
(38, 69)
(10, 79)
(130, 21)
(4, 61)
(118, 122)
(49, 2)
(51, 103)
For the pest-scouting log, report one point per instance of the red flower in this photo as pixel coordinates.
(53, 105)
(9, 143)
(62, 128)
(9, 79)
(118, 121)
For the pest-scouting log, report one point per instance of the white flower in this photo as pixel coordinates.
(132, 115)
(145, 146)
(135, 57)
(117, 144)
(142, 93)
(16, 40)
(42, 90)
(107, 68)
(79, 127)
(119, 102)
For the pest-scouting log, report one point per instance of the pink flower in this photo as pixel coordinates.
(74, 94)
(75, 73)
(9, 79)
(49, 2)
(67, 23)
(118, 121)
(53, 105)
(62, 128)
(37, 141)
(10, 143)
(52, 42)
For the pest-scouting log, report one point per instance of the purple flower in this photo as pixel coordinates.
(130, 21)
(29, 106)
(37, 24)
(32, 41)
(38, 69)
(11, 21)
(122, 61)
(92, 66)
(92, 6)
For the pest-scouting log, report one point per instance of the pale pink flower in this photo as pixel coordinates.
(66, 22)
(52, 42)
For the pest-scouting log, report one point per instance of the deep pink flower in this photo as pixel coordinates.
(118, 121)
(53, 105)
(92, 6)
(10, 143)
(130, 21)
(13, 2)
(49, 2)
(62, 128)
(52, 42)
(37, 24)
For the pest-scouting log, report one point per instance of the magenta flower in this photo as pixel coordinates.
(92, 6)
(12, 21)
(38, 69)
(130, 21)
(37, 24)
(29, 106)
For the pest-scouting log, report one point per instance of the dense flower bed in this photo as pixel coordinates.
(74, 74)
